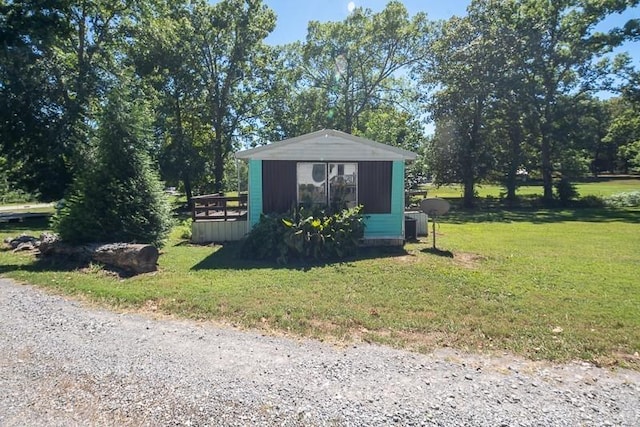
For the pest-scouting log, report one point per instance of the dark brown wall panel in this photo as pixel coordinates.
(374, 186)
(278, 185)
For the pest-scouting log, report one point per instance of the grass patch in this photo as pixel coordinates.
(34, 208)
(600, 187)
(553, 284)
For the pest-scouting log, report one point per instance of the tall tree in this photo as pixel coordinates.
(464, 68)
(354, 62)
(509, 113)
(294, 107)
(230, 35)
(166, 59)
(623, 134)
(507, 73)
(57, 62)
(559, 48)
(31, 99)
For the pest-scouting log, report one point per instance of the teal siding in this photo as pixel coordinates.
(387, 226)
(390, 225)
(255, 191)
(382, 226)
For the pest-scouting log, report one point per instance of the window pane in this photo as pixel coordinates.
(343, 188)
(312, 181)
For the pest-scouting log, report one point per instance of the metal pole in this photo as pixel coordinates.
(433, 230)
(238, 176)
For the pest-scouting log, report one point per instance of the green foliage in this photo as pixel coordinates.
(9, 196)
(347, 68)
(58, 60)
(119, 197)
(305, 235)
(392, 126)
(566, 191)
(590, 202)
(9, 193)
(184, 229)
(622, 200)
(236, 174)
(511, 82)
(630, 156)
(266, 239)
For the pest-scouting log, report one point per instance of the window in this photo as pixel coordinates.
(328, 184)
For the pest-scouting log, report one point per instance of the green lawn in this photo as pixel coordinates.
(28, 208)
(602, 188)
(545, 284)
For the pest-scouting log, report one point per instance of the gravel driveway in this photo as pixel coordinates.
(62, 363)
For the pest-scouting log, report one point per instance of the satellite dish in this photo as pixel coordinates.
(434, 207)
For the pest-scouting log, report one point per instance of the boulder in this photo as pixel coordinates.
(130, 257)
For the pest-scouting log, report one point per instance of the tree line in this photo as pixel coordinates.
(511, 87)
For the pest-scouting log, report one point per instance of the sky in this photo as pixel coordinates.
(294, 15)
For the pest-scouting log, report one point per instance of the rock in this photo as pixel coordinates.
(131, 257)
(22, 242)
(27, 246)
(47, 242)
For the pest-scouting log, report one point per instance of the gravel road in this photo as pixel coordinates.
(63, 363)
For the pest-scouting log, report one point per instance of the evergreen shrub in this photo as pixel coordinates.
(119, 196)
(566, 191)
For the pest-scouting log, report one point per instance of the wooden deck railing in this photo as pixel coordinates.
(217, 207)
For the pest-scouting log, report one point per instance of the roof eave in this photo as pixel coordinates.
(261, 153)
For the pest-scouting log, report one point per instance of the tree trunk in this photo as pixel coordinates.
(136, 258)
(546, 139)
(511, 186)
(470, 156)
(218, 162)
(188, 191)
(133, 258)
(468, 197)
(547, 169)
(515, 151)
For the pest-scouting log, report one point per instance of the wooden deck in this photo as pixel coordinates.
(218, 218)
(218, 231)
(215, 207)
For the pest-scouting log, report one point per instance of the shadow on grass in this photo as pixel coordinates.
(35, 225)
(438, 252)
(48, 264)
(227, 258)
(58, 264)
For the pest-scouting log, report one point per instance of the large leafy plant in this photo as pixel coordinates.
(305, 234)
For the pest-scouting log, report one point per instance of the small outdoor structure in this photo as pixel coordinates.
(322, 168)
(217, 218)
